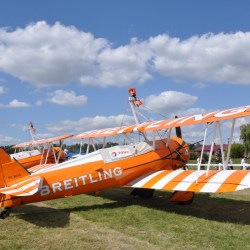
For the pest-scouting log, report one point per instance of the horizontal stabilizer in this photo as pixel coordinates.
(212, 181)
(26, 187)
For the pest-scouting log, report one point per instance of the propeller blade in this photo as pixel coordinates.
(178, 130)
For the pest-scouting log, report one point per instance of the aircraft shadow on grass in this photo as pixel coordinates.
(42, 216)
(203, 206)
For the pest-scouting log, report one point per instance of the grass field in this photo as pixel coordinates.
(117, 220)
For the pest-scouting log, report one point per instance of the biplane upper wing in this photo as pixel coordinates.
(42, 141)
(25, 187)
(170, 123)
(106, 132)
(212, 181)
(197, 119)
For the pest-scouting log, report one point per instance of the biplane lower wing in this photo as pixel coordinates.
(24, 188)
(212, 181)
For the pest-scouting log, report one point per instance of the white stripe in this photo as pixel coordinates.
(245, 183)
(34, 169)
(15, 185)
(36, 188)
(22, 188)
(38, 167)
(216, 181)
(146, 179)
(131, 183)
(166, 179)
(189, 180)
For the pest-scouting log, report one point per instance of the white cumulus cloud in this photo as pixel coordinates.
(121, 66)
(7, 140)
(15, 104)
(3, 90)
(47, 55)
(89, 123)
(67, 98)
(169, 101)
(211, 57)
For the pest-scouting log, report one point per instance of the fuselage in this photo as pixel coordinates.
(32, 158)
(103, 169)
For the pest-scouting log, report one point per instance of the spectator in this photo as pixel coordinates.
(244, 163)
(230, 162)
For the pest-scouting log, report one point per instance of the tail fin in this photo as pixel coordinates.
(10, 170)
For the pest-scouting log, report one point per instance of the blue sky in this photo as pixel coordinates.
(66, 65)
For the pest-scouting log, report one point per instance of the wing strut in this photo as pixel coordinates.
(211, 149)
(202, 150)
(230, 142)
(221, 147)
(132, 99)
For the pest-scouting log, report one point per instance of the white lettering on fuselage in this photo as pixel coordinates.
(56, 186)
(80, 181)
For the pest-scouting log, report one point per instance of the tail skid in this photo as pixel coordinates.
(10, 170)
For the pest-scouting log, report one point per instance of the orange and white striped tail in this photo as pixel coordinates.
(39, 167)
(212, 181)
(26, 187)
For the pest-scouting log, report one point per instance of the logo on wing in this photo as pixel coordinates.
(113, 154)
(120, 153)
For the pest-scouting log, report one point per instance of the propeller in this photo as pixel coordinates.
(178, 130)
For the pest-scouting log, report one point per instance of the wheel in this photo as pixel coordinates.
(5, 213)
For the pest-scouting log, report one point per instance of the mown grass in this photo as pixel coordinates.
(117, 220)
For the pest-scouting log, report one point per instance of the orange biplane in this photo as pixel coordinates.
(42, 152)
(154, 163)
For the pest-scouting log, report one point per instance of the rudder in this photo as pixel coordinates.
(10, 170)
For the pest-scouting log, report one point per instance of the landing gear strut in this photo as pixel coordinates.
(5, 213)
